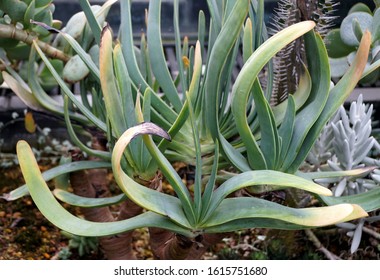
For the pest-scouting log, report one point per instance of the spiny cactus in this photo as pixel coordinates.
(288, 62)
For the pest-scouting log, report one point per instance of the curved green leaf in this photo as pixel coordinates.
(61, 218)
(224, 44)
(87, 202)
(369, 200)
(156, 52)
(127, 43)
(23, 92)
(263, 178)
(319, 69)
(152, 200)
(247, 77)
(335, 174)
(111, 94)
(249, 207)
(96, 121)
(336, 97)
(55, 172)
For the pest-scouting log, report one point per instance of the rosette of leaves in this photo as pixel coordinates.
(190, 217)
(342, 43)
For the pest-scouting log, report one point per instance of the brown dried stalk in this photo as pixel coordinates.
(11, 32)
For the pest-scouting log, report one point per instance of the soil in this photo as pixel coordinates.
(26, 234)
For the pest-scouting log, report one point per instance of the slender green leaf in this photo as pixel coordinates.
(247, 77)
(178, 48)
(152, 200)
(209, 188)
(319, 68)
(234, 156)
(247, 40)
(224, 44)
(83, 147)
(269, 144)
(55, 172)
(87, 202)
(23, 92)
(111, 95)
(287, 127)
(300, 97)
(42, 97)
(101, 125)
(156, 52)
(94, 25)
(336, 97)
(335, 174)
(127, 43)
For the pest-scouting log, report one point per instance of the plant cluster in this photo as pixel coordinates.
(142, 120)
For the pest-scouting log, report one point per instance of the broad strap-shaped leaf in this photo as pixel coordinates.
(61, 218)
(369, 201)
(127, 44)
(300, 97)
(156, 52)
(149, 199)
(319, 69)
(111, 94)
(249, 207)
(335, 174)
(247, 77)
(286, 129)
(224, 44)
(55, 172)
(263, 177)
(337, 96)
(23, 92)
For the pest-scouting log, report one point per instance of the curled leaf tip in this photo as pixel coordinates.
(153, 129)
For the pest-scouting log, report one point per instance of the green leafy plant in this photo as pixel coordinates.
(242, 144)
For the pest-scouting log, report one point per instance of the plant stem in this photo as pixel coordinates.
(11, 32)
(313, 238)
(371, 232)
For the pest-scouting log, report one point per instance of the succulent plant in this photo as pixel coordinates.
(345, 144)
(233, 136)
(342, 42)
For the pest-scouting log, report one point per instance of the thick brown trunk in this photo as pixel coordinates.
(167, 245)
(117, 247)
(208, 240)
(94, 183)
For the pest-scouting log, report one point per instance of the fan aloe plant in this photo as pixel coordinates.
(263, 145)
